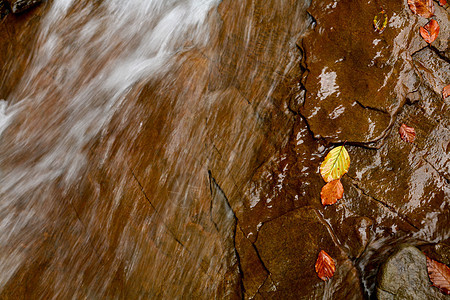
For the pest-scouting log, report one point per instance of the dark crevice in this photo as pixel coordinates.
(439, 54)
(273, 219)
(308, 127)
(391, 208)
(419, 50)
(262, 284)
(331, 232)
(259, 258)
(371, 108)
(213, 183)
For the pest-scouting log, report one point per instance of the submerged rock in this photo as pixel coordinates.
(404, 276)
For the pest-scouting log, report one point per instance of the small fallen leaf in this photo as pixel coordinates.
(430, 31)
(446, 91)
(422, 8)
(332, 192)
(335, 164)
(408, 134)
(442, 2)
(439, 275)
(325, 266)
(380, 21)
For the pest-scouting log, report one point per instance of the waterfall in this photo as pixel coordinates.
(87, 59)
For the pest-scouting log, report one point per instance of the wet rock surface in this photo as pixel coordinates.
(404, 276)
(18, 6)
(214, 180)
(289, 257)
(366, 76)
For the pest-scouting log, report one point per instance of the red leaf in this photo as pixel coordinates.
(430, 31)
(325, 266)
(422, 8)
(442, 2)
(439, 275)
(408, 134)
(446, 91)
(332, 192)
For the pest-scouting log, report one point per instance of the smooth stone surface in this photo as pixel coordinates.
(404, 276)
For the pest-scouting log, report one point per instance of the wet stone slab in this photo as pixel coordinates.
(357, 78)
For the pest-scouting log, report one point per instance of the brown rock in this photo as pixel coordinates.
(355, 74)
(18, 6)
(288, 247)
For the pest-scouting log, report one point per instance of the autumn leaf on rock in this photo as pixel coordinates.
(422, 8)
(380, 21)
(446, 91)
(430, 31)
(335, 164)
(442, 2)
(408, 134)
(332, 192)
(325, 266)
(439, 275)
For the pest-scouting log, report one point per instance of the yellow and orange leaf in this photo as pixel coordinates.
(439, 275)
(335, 164)
(430, 31)
(332, 192)
(325, 266)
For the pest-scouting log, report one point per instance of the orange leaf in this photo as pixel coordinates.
(446, 91)
(325, 266)
(439, 275)
(422, 8)
(332, 192)
(430, 31)
(408, 134)
(442, 2)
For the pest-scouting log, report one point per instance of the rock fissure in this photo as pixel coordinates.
(212, 186)
(372, 108)
(439, 54)
(330, 231)
(174, 236)
(434, 167)
(389, 207)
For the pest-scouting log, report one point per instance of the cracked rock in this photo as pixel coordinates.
(288, 247)
(358, 76)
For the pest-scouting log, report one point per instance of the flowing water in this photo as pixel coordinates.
(88, 58)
